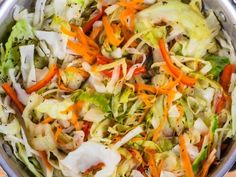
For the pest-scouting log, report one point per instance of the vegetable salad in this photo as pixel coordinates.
(117, 88)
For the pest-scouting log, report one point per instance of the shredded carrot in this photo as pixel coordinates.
(42, 83)
(81, 36)
(57, 133)
(176, 71)
(146, 99)
(170, 97)
(137, 156)
(208, 163)
(181, 112)
(80, 50)
(152, 163)
(95, 33)
(172, 84)
(109, 32)
(137, 139)
(144, 87)
(43, 156)
(12, 94)
(159, 168)
(185, 157)
(75, 108)
(47, 120)
(161, 125)
(127, 18)
(73, 69)
(67, 32)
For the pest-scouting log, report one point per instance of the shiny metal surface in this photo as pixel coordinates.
(225, 10)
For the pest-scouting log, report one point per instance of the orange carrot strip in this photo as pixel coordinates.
(161, 125)
(12, 94)
(170, 97)
(42, 83)
(109, 32)
(152, 163)
(95, 33)
(176, 71)
(172, 84)
(208, 163)
(185, 157)
(43, 156)
(144, 87)
(67, 32)
(79, 49)
(58, 132)
(159, 168)
(47, 120)
(137, 156)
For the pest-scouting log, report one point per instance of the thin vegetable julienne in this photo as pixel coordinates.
(110, 33)
(176, 71)
(226, 76)
(53, 70)
(185, 157)
(88, 26)
(12, 94)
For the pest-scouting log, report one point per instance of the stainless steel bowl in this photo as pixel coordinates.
(225, 10)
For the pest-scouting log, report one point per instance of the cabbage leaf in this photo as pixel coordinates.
(21, 32)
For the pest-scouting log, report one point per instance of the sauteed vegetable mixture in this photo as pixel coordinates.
(116, 88)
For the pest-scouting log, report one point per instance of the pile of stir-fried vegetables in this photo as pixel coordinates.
(117, 88)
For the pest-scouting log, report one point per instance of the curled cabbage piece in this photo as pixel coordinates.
(195, 26)
(90, 153)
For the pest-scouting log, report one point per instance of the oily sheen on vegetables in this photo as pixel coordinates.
(117, 88)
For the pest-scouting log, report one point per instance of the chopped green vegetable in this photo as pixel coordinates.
(218, 63)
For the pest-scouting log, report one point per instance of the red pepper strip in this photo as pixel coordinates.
(88, 26)
(86, 128)
(220, 104)
(103, 60)
(226, 76)
(176, 71)
(12, 94)
(51, 73)
(139, 70)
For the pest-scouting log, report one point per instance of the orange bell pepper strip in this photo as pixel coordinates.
(176, 71)
(42, 83)
(12, 94)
